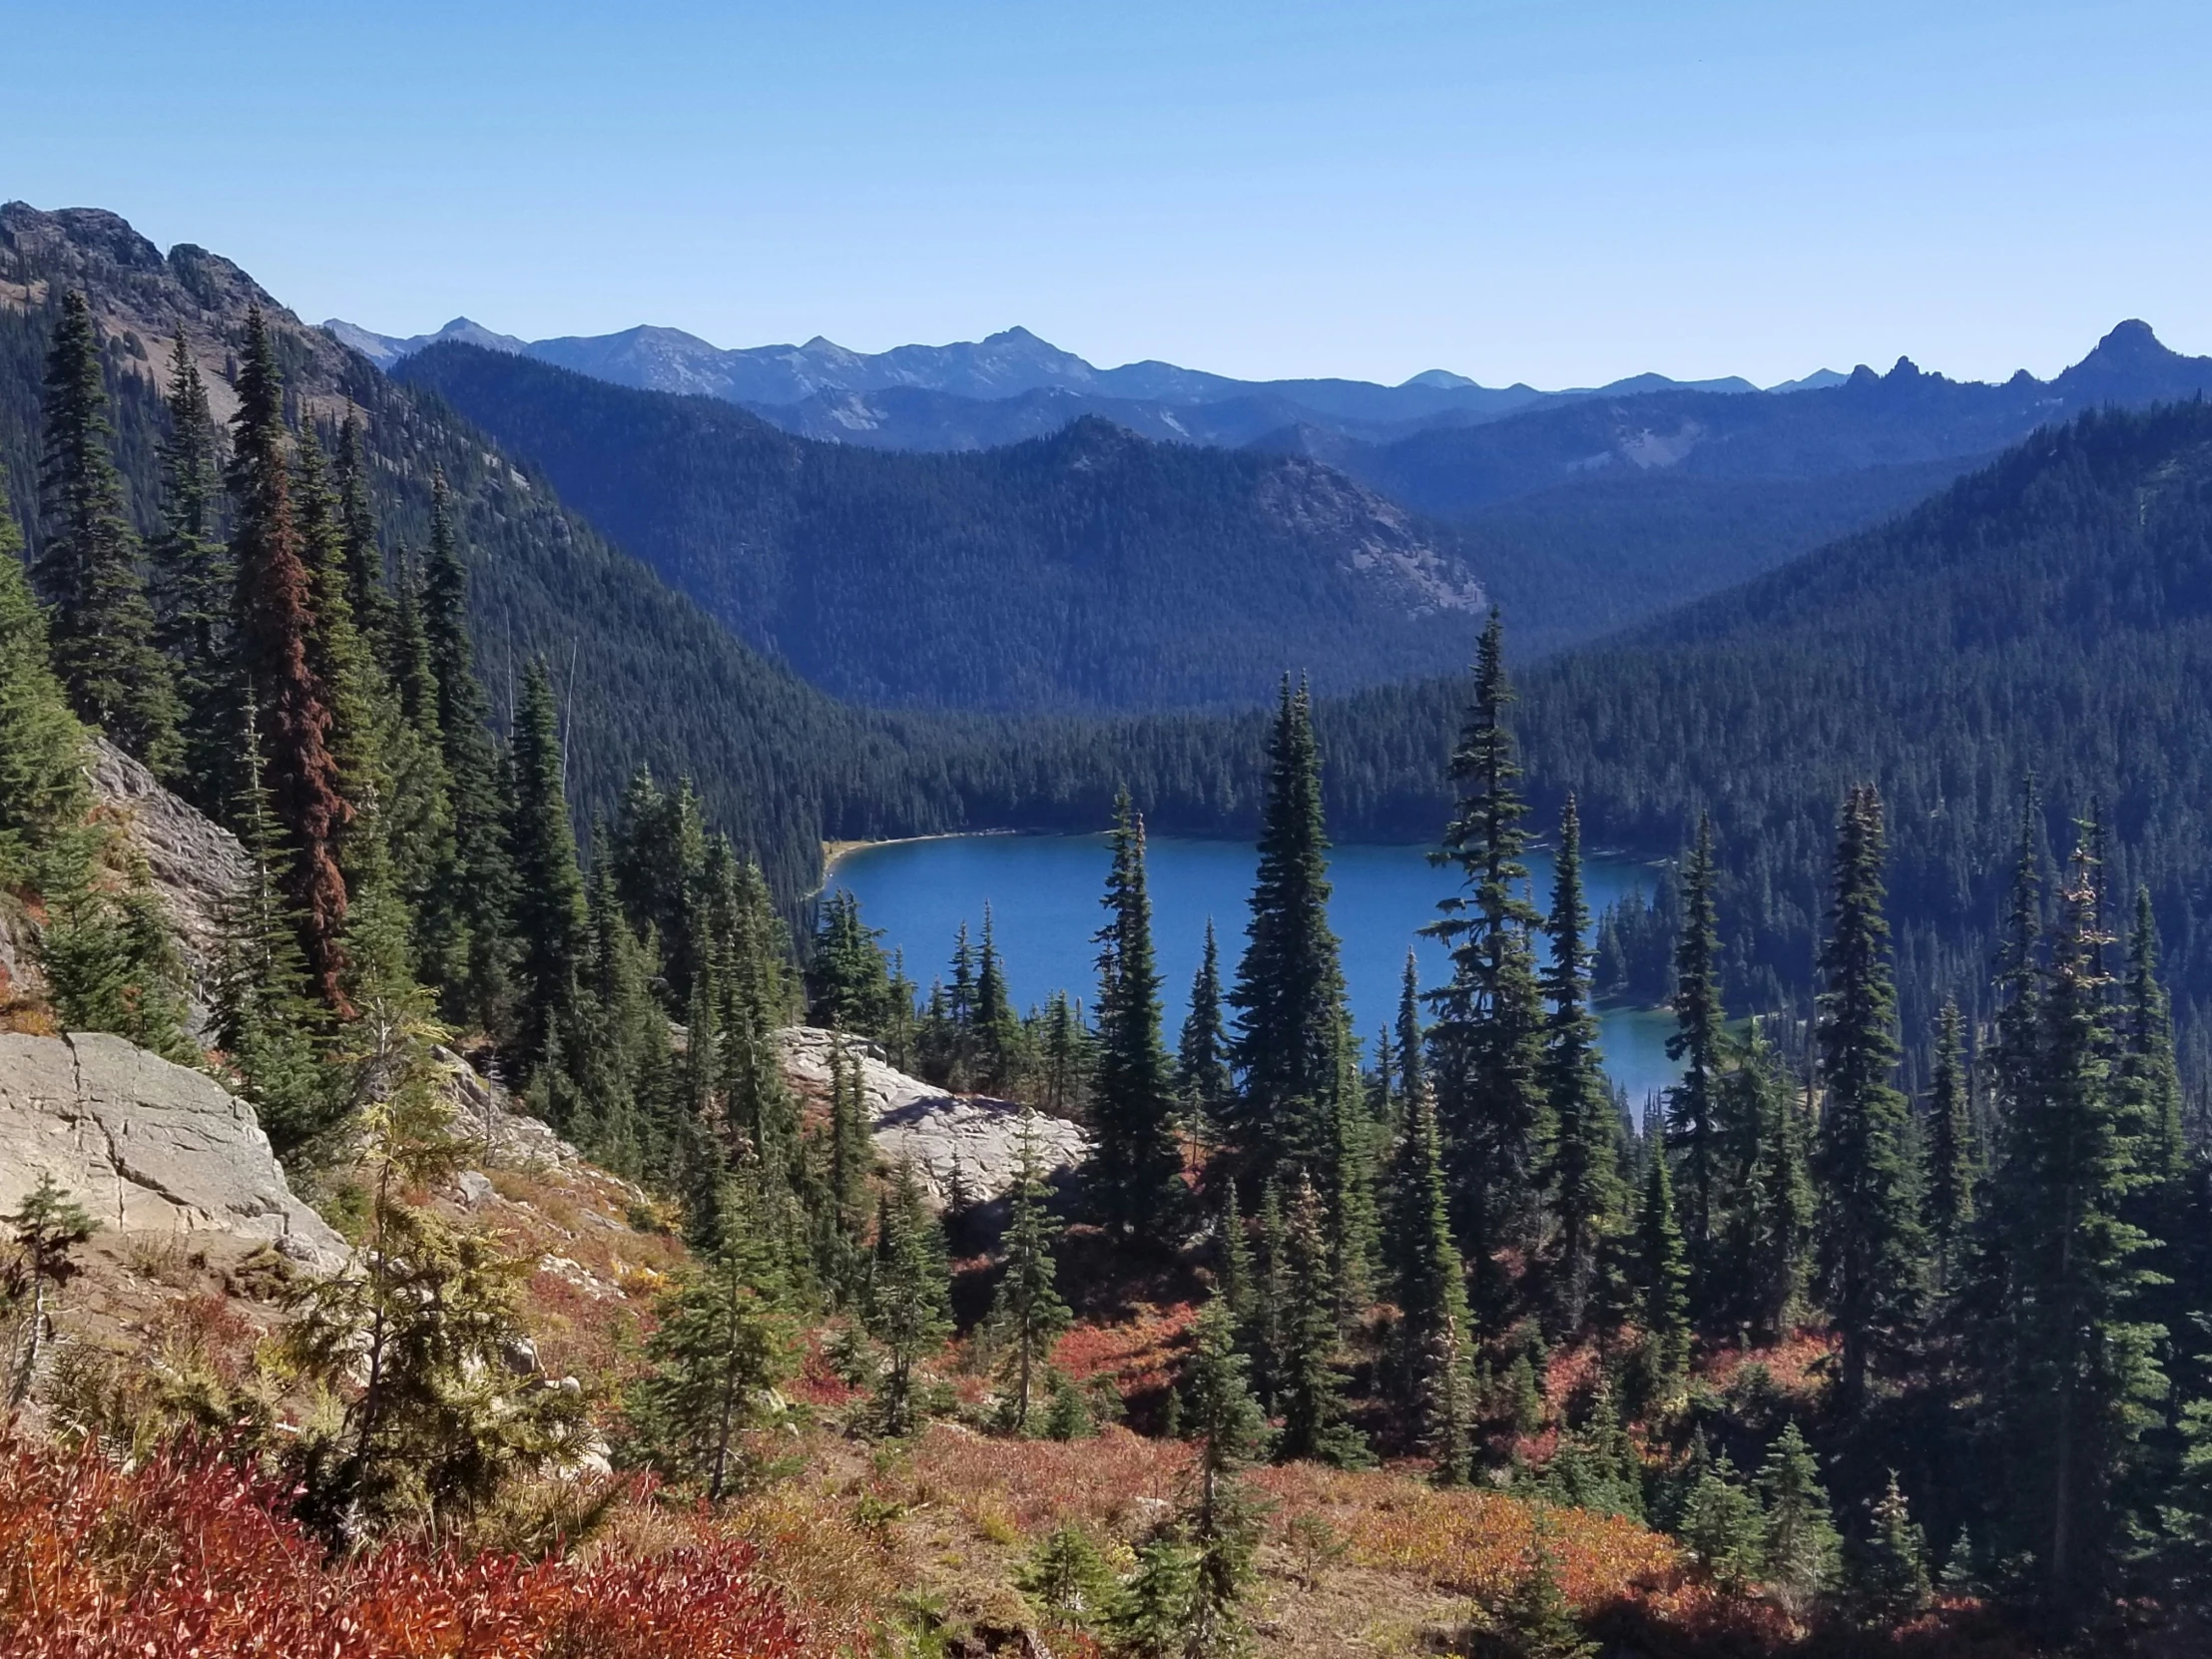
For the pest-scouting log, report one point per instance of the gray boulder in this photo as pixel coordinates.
(912, 1119)
(146, 1146)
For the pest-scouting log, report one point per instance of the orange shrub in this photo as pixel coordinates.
(1118, 1483)
(188, 1554)
(1469, 1541)
(1140, 1355)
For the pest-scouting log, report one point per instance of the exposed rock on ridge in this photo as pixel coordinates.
(913, 1119)
(146, 1146)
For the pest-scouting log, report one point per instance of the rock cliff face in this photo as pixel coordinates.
(193, 864)
(918, 1120)
(146, 1146)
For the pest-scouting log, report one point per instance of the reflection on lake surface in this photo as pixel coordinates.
(1044, 890)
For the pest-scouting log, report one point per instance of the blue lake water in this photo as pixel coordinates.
(1044, 890)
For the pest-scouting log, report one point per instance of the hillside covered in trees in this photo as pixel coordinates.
(1091, 570)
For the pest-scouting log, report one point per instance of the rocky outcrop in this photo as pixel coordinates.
(940, 1132)
(146, 1146)
(193, 863)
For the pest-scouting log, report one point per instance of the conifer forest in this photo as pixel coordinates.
(650, 1315)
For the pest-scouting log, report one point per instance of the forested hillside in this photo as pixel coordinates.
(647, 677)
(1092, 570)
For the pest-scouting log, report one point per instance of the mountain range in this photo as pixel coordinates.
(1007, 387)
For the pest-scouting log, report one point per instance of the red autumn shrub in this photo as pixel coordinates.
(188, 1554)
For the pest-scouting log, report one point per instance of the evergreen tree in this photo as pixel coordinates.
(1066, 1579)
(1723, 1527)
(194, 590)
(1951, 1147)
(1538, 1614)
(265, 1018)
(1413, 1064)
(1487, 1045)
(1311, 1389)
(291, 717)
(1435, 1329)
(848, 977)
(103, 627)
(909, 1297)
(2084, 1376)
(1232, 1283)
(1663, 1278)
(998, 1032)
(43, 798)
(1870, 1247)
(719, 1346)
(1263, 1334)
(2149, 1081)
(1773, 1223)
(44, 1231)
(1288, 995)
(1220, 1519)
(366, 591)
(1889, 1568)
(1029, 1315)
(1582, 1181)
(1800, 1549)
(549, 918)
(468, 912)
(1136, 1166)
(1202, 1076)
(1693, 1104)
(1069, 1055)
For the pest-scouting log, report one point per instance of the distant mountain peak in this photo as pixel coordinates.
(1442, 379)
(2131, 341)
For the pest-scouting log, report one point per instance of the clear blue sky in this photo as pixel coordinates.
(1561, 194)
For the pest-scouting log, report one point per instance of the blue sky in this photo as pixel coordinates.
(1551, 193)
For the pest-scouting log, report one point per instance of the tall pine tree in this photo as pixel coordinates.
(1693, 1105)
(549, 918)
(1289, 993)
(195, 593)
(1582, 1182)
(1135, 1171)
(1486, 1046)
(1869, 1246)
(103, 627)
(291, 717)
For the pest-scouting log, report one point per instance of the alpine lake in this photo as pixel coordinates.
(1043, 893)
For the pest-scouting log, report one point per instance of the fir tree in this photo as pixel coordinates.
(1663, 1278)
(1263, 1333)
(1202, 1076)
(1029, 1315)
(2150, 1084)
(998, 1032)
(1135, 1169)
(265, 1018)
(719, 1346)
(43, 796)
(1311, 1388)
(103, 627)
(1220, 1518)
(548, 918)
(1582, 1181)
(1288, 995)
(1950, 1149)
(1537, 1613)
(366, 591)
(1775, 1213)
(1723, 1527)
(44, 1231)
(848, 977)
(1693, 1105)
(1800, 1554)
(1066, 1579)
(1413, 1064)
(1870, 1234)
(291, 717)
(471, 893)
(1889, 1567)
(2084, 1376)
(194, 590)
(1435, 1329)
(1487, 1045)
(909, 1298)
